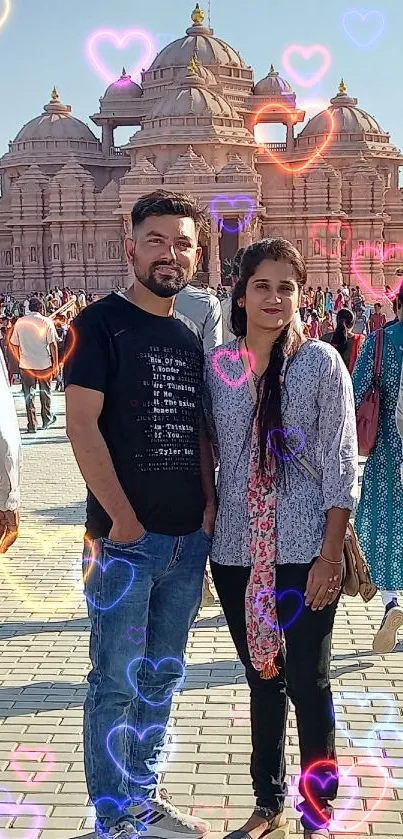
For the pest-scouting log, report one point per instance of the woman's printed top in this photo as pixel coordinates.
(319, 424)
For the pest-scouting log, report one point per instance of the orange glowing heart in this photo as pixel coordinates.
(41, 332)
(294, 170)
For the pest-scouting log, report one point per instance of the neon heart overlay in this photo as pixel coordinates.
(279, 597)
(286, 166)
(120, 41)
(232, 355)
(103, 569)
(6, 12)
(41, 332)
(240, 225)
(285, 433)
(32, 754)
(137, 634)
(354, 13)
(22, 808)
(156, 666)
(327, 225)
(141, 827)
(306, 53)
(365, 286)
(140, 735)
(343, 774)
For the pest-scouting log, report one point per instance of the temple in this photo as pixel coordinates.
(198, 116)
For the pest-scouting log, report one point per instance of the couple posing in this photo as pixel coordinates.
(143, 424)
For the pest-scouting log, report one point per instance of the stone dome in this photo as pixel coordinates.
(123, 90)
(199, 40)
(56, 123)
(272, 85)
(348, 118)
(191, 97)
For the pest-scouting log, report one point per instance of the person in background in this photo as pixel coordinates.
(377, 319)
(361, 322)
(395, 317)
(314, 325)
(346, 293)
(279, 529)
(34, 343)
(304, 306)
(357, 299)
(81, 300)
(10, 464)
(344, 340)
(319, 303)
(61, 331)
(339, 301)
(379, 516)
(310, 296)
(227, 304)
(328, 301)
(399, 418)
(327, 324)
(204, 310)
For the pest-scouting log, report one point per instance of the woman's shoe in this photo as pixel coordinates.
(274, 826)
(386, 638)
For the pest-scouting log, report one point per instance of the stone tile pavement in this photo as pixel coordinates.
(43, 666)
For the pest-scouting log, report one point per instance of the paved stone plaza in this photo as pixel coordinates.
(44, 662)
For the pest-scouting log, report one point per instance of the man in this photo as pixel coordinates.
(204, 310)
(377, 319)
(226, 305)
(133, 394)
(10, 464)
(357, 300)
(34, 340)
(346, 294)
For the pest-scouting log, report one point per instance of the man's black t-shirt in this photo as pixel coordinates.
(149, 369)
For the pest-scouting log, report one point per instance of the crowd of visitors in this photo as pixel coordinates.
(153, 407)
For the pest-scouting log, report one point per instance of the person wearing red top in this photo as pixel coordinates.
(339, 301)
(377, 319)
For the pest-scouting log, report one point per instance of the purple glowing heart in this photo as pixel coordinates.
(234, 201)
(137, 634)
(157, 666)
(259, 607)
(120, 41)
(116, 596)
(123, 729)
(293, 448)
(354, 14)
(121, 807)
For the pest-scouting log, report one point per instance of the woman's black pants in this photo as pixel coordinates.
(304, 677)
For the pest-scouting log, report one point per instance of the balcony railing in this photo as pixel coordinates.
(116, 151)
(275, 146)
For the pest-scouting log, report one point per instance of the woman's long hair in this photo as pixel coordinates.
(344, 322)
(268, 408)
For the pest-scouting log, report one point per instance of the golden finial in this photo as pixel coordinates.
(54, 96)
(197, 15)
(342, 88)
(192, 66)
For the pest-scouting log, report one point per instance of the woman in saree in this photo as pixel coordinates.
(281, 412)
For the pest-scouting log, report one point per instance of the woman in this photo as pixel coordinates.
(270, 395)
(314, 325)
(326, 325)
(344, 340)
(320, 302)
(379, 518)
(328, 301)
(339, 302)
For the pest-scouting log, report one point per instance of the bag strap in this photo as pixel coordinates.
(378, 357)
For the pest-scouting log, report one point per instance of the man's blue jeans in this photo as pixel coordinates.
(142, 598)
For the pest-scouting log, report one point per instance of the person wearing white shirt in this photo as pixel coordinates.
(10, 463)
(346, 294)
(34, 340)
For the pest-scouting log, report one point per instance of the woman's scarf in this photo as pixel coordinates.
(262, 629)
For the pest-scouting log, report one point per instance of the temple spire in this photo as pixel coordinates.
(197, 15)
(342, 90)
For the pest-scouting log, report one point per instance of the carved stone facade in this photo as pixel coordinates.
(332, 188)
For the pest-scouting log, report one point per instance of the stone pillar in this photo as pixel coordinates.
(245, 234)
(290, 136)
(214, 267)
(107, 137)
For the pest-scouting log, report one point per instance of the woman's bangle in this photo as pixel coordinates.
(331, 561)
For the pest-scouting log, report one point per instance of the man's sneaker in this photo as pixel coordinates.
(51, 421)
(160, 819)
(386, 638)
(124, 829)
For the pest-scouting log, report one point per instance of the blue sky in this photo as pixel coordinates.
(43, 42)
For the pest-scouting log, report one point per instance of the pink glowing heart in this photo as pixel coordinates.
(120, 42)
(306, 53)
(32, 754)
(232, 355)
(15, 809)
(366, 286)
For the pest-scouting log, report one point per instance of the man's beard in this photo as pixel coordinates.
(160, 284)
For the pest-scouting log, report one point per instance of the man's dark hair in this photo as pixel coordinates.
(35, 305)
(164, 203)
